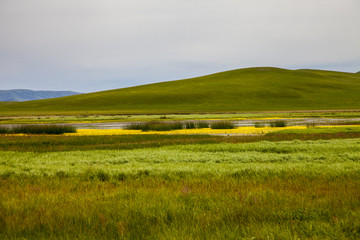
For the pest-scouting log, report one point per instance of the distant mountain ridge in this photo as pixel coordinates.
(20, 95)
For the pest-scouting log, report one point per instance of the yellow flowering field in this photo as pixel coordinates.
(201, 131)
(236, 131)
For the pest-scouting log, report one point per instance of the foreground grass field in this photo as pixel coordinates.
(260, 190)
(251, 89)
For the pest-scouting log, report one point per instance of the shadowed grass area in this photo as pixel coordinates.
(251, 89)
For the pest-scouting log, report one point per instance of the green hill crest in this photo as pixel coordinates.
(249, 89)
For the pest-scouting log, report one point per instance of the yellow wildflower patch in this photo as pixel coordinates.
(202, 131)
(236, 131)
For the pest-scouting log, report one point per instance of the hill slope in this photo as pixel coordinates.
(26, 95)
(251, 89)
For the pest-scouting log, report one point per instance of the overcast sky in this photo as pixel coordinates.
(92, 45)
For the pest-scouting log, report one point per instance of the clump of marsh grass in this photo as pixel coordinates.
(39, 129)
(259, 125)
(4, 130)
(222, 125)
(155, 126)
(310, 124)
(166, 126)
(278, 123)
(202, 124)
(198, 124)
(190, 125)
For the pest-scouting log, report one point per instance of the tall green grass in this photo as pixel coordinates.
(264, 190)
(198, 208)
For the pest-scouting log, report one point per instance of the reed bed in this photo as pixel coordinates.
(38, 129)
(278, 123)
(155, 126)
(222, 125)
(166, 126)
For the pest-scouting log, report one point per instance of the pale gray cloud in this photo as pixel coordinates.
(90, 45)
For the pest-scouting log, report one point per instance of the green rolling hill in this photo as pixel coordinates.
(250, 89)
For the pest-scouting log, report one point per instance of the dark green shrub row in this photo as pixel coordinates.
(38, 129)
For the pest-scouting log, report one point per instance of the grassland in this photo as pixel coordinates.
(290, 184)
(318, 130)
(262, 190)
(251, 89)
(48, 143)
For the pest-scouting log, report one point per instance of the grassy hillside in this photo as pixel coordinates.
(251, 89)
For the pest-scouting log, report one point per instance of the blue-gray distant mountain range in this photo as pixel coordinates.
(20, 95)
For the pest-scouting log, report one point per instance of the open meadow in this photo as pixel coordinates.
(301, 183)
(257, 153)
